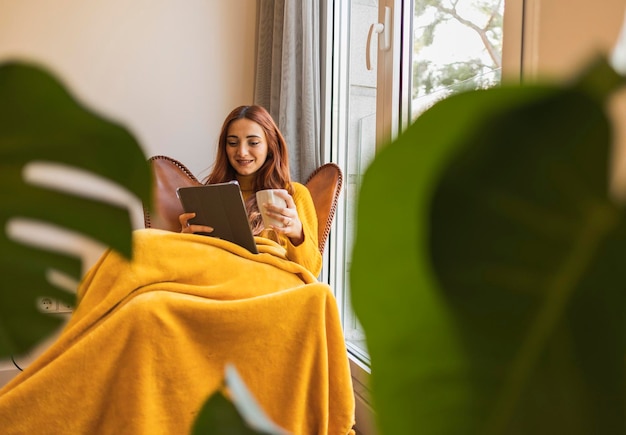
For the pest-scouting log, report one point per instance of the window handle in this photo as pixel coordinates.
(379, 28)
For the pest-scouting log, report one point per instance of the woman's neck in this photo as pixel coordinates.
(246, 183)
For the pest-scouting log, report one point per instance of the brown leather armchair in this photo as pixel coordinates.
(324, 184)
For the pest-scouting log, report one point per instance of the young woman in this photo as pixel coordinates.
(252, 150)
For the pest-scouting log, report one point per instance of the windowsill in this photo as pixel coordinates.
(363, 410)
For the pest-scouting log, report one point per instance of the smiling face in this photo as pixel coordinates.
(246, 146)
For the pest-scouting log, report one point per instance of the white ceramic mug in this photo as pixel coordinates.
(270, 196)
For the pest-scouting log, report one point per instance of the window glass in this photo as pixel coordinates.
(457, 46)
(452, 45)
(360, 145)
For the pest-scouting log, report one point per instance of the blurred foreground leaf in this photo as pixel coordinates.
(487, 266)
(41, 122)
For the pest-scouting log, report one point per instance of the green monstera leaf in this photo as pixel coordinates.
(487, 269)
(41, 122)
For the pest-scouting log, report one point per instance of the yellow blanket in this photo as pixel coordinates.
(150, 338)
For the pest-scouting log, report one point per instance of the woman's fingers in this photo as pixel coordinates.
(184, 221)
(286, 215)
(196, 229)
(186, 227)
(287, 197)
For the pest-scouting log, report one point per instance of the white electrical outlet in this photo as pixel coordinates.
(64, 307)
(47, 304)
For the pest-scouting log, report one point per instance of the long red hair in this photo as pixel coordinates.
(273, 174)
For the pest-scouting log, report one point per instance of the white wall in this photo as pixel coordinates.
(170, 70)
(561, 36)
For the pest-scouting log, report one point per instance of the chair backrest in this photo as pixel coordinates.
(325, 186)
(324, 183)
(169, 174)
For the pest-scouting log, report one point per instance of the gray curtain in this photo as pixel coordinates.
(288, 77)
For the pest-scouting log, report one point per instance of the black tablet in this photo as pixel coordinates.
(219, 206)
